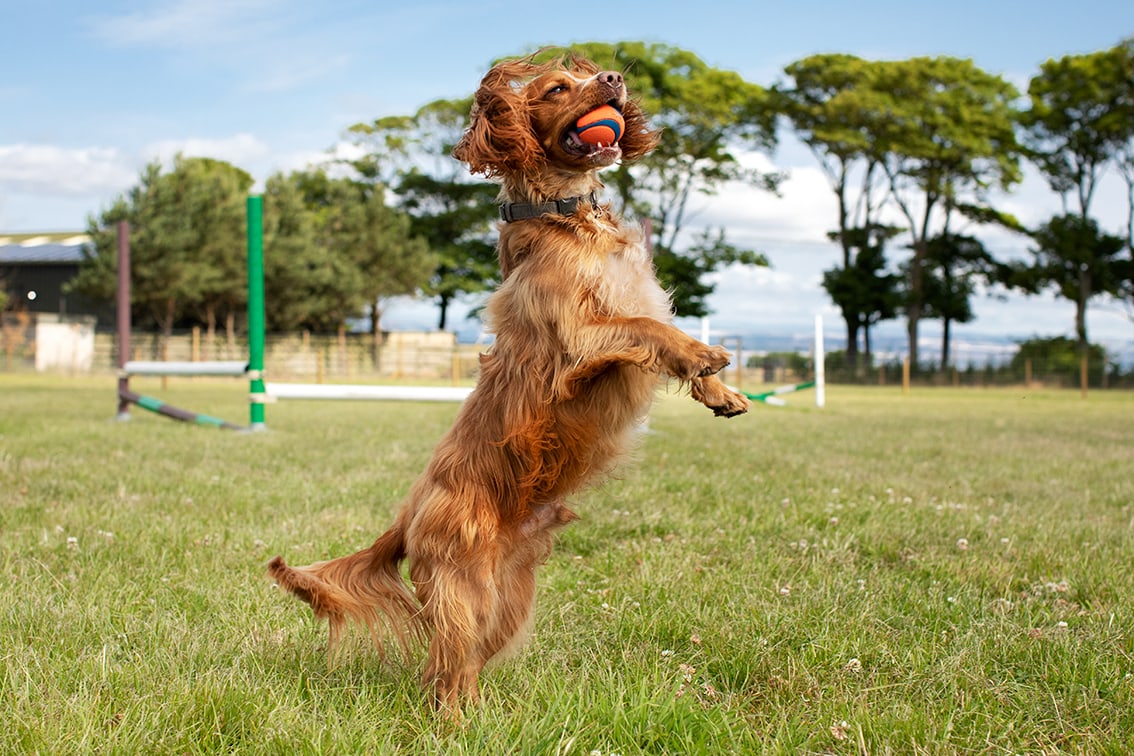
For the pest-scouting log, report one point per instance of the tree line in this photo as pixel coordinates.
(933, 138)
(915, 151)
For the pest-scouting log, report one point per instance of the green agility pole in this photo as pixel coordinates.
(771, 397)
(256, 311)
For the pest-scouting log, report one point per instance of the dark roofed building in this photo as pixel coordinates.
(35, 269)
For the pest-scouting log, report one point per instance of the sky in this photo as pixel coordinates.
(91, 92)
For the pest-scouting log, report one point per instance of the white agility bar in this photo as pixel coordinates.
(220, 367)
(345, 391)
(820, 364)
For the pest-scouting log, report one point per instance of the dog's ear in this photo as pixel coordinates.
(638, 138)
(499, 139)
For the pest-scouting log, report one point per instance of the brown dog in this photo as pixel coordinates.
(583, 331)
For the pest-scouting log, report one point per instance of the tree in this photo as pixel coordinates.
(452, 213)
(453, 217)
(1123, 62)
(708, 118)
(1077, 260)
(394, 260)
(834, 104)
(947, 136)
(213, 196)
(299, 277)
(863, 291)
(954, 265)
(366, 248)
(98, 269)
(184, 242)
(1079, 121)
(1122, 57)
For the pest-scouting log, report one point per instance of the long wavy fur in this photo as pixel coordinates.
(583, 335)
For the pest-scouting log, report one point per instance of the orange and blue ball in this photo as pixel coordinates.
(603, 125)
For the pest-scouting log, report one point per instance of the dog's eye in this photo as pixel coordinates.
(557, 89)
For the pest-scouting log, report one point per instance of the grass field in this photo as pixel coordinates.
(948, 572)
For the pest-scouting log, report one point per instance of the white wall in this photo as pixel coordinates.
(64, 343)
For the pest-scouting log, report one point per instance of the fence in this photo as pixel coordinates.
(437, 357)
(307, 356)
(1035, 373)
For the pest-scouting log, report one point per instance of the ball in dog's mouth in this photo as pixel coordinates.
(602, 126)
(598, 130)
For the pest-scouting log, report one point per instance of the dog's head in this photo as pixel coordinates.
(524, 117)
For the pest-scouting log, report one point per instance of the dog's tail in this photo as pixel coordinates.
(366, 587)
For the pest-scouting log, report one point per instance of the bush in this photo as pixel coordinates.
(1058, 359)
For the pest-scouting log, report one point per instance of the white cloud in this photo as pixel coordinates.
(92, 175)
(52, 170)
(239, 149)
(332, 160)
(803, 212)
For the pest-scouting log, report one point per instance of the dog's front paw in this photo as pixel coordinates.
(723, 401)
(734, 404)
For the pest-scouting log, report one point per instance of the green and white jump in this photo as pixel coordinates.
(260, 392)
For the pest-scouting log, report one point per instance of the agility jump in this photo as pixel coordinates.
(260, 392)
(253, 369)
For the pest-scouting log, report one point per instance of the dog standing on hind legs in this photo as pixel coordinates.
(583, 335)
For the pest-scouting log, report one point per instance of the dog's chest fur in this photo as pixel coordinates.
(624, 282)
(589, 266)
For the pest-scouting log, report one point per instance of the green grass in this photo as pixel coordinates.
(948, 572)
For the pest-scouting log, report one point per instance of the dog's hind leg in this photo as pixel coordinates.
(458, 599)
(478, 604)
(515, 578)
